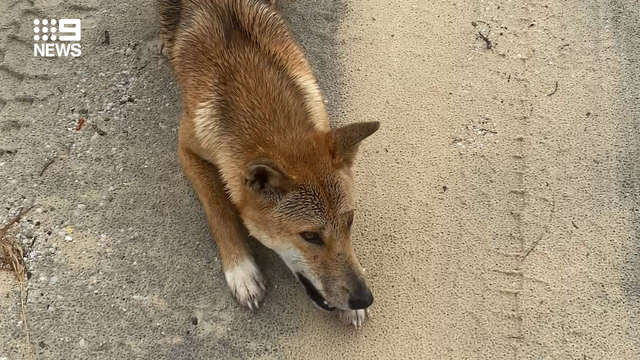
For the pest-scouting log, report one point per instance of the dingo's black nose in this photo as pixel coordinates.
(361, 297)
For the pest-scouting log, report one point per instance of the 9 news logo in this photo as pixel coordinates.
(67, 34)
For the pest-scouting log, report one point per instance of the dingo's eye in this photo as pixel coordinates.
(350, 220)
(312, 237)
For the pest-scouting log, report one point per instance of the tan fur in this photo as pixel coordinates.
(255, 143)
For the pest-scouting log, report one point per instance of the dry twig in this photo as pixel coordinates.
(544, 232)
(46, 165)
(486, 39)
(13, 260)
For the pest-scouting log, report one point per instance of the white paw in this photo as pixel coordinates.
(162, 50)
(246, 284)
(353, 317)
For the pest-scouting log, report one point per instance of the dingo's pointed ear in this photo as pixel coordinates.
(348, 137)
(264, 178)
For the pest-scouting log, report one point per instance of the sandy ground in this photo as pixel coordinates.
(498, 212)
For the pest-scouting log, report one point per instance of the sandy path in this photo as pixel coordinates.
(496, 220)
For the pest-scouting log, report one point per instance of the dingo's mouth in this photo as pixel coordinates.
(314, 293)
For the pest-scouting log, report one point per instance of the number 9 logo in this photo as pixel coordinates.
(69, 26)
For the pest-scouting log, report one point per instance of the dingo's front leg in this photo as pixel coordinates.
(243, 276)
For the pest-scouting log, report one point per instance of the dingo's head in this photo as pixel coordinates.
(298, 201)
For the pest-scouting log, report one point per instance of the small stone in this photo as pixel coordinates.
(53, 280)
(68, 238)
(82, 344)
(126, 99)
(28, 233)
